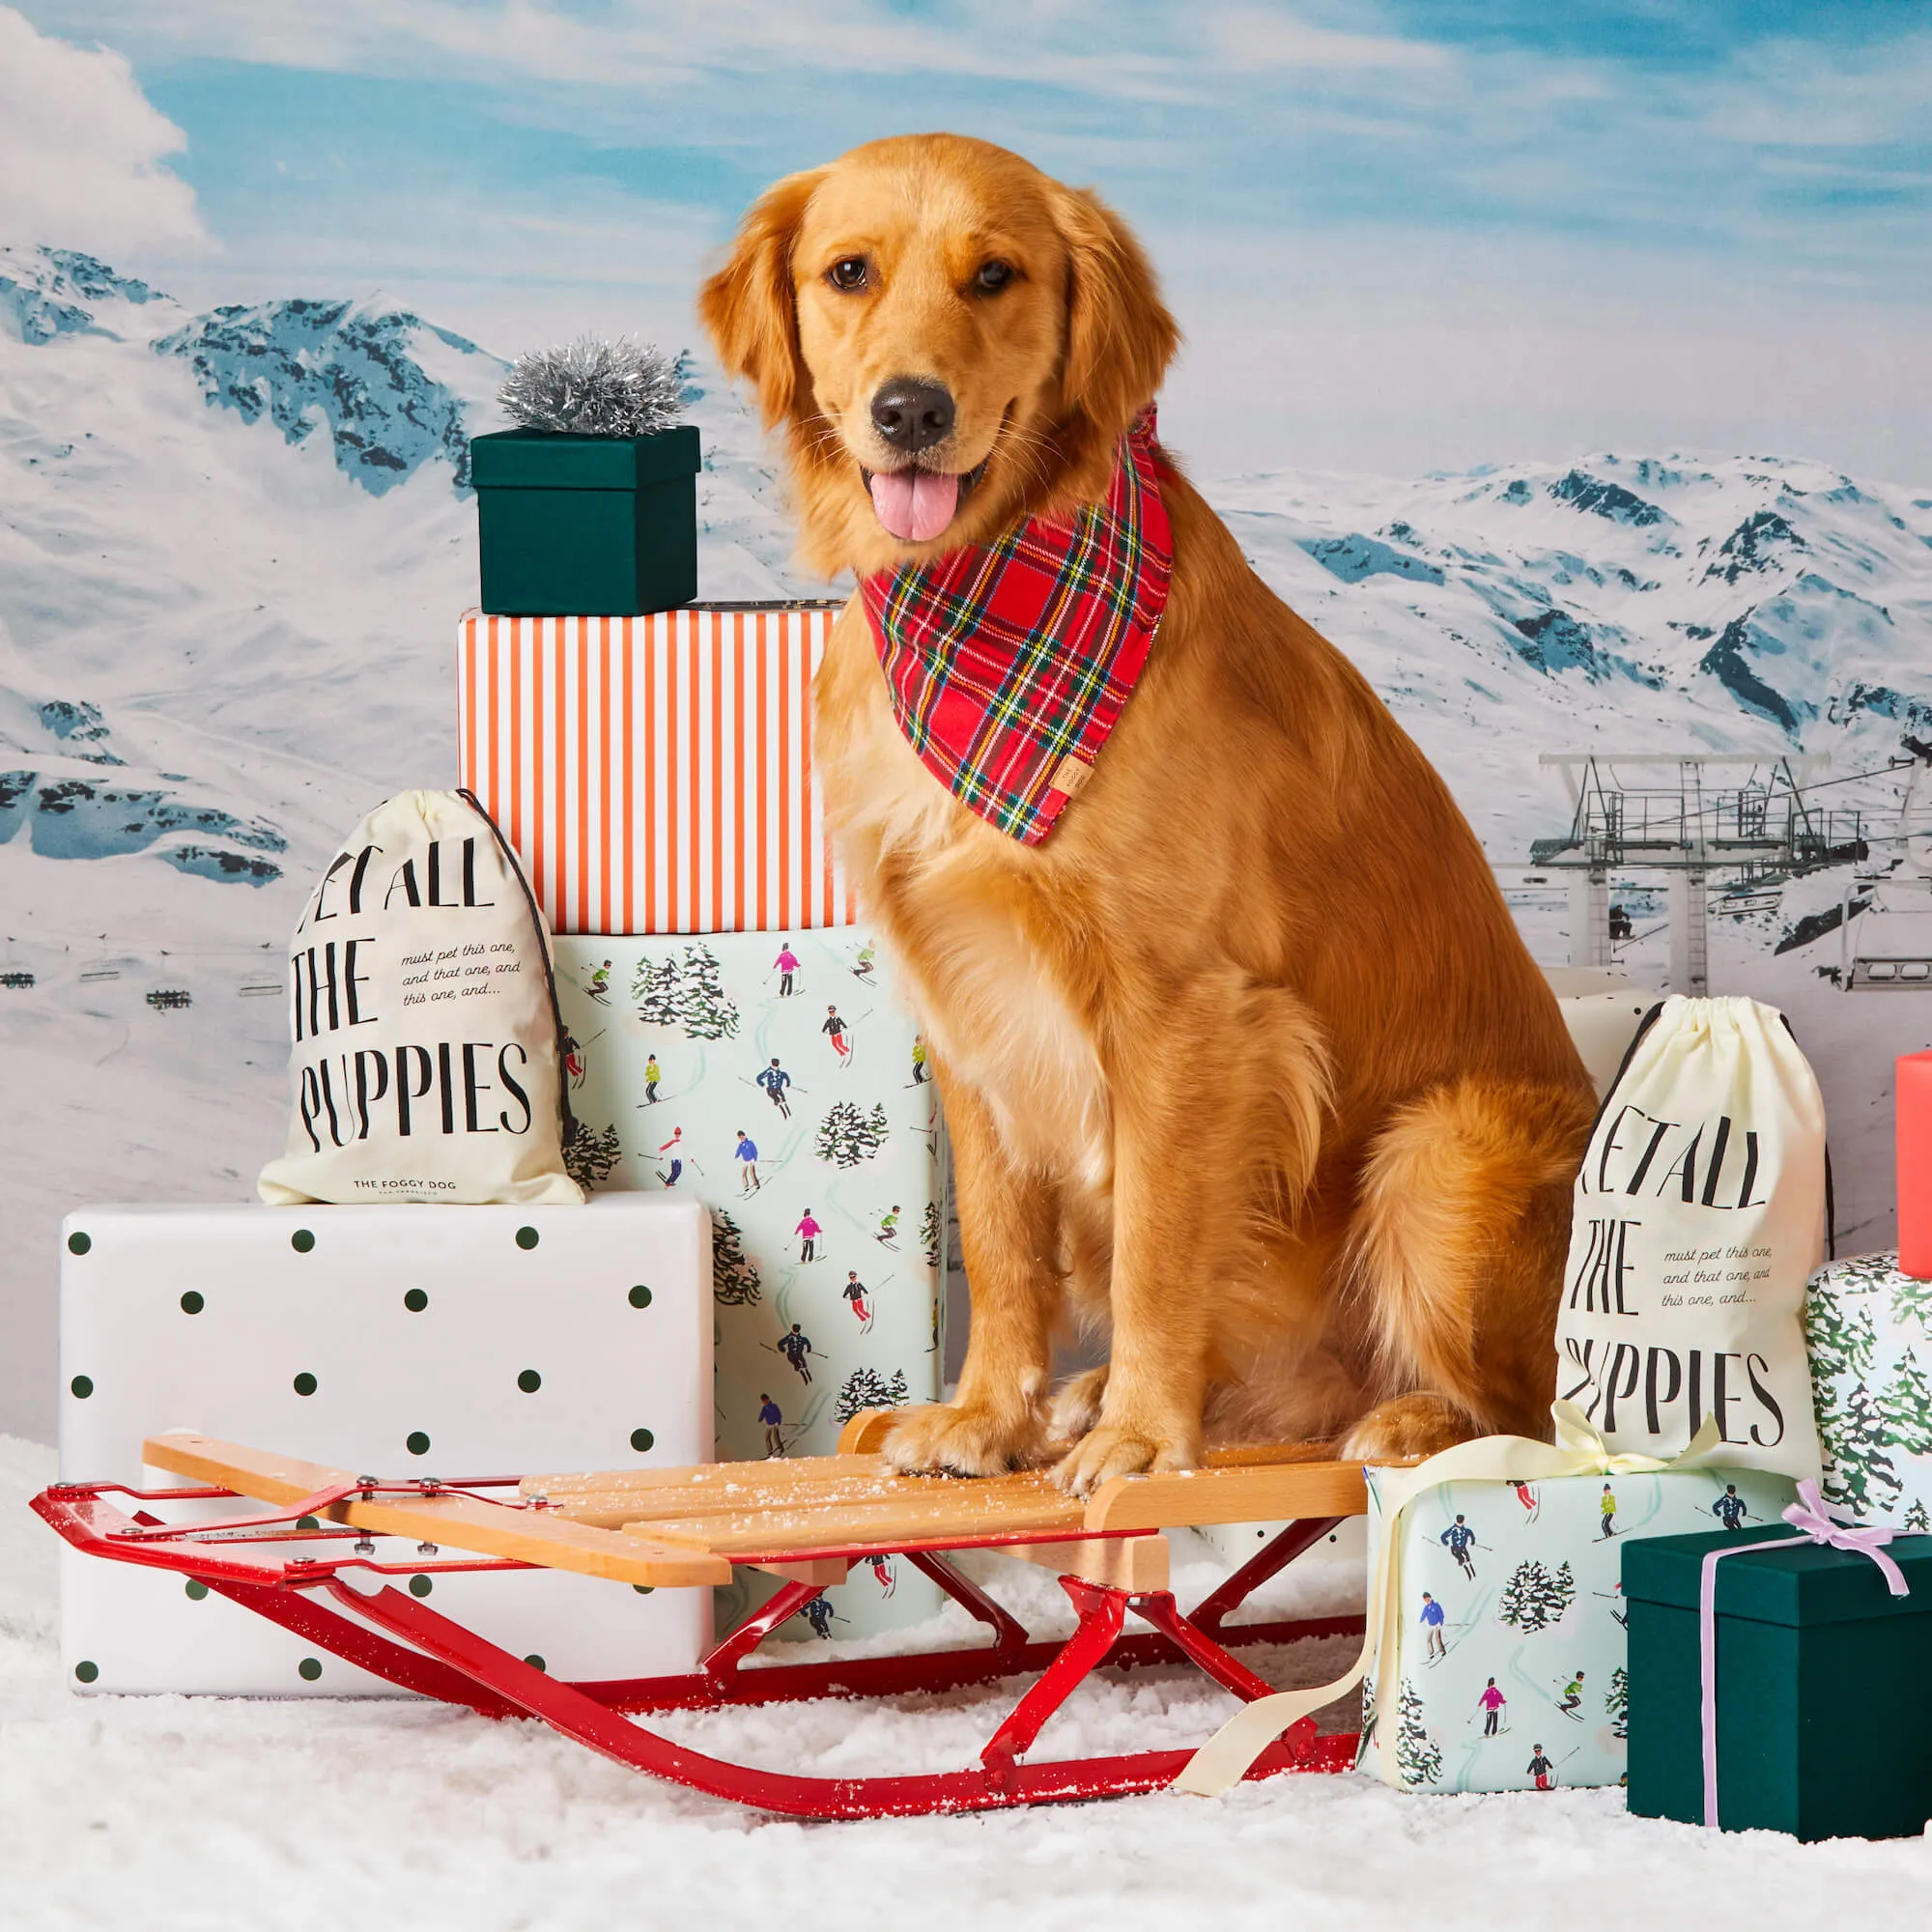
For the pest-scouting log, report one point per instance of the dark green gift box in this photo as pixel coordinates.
(586, 525)
(1824, 1687)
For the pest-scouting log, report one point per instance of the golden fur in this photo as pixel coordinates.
(1245, 1063)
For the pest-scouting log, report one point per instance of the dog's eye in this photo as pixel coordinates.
(849, 271)
(992, 277)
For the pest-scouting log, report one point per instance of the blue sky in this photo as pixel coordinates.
(1425, 233)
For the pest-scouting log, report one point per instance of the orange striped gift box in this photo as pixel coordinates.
(654, 773)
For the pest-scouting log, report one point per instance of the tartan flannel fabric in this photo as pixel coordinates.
(1009, 663)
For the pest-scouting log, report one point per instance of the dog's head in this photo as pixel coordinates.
(951, 339)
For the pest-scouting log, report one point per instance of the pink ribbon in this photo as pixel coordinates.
(1807, 1515)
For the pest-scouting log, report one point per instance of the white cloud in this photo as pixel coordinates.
(83, 153)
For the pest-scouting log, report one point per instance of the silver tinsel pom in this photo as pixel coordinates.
(595, 387)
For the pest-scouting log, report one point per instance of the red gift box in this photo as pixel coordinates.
(1914, 1165)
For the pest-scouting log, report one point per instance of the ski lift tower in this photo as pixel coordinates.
(1671, 813)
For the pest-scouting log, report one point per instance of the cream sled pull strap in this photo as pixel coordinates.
(1579, 1450)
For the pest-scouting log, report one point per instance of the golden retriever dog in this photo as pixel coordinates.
(1245, 1065)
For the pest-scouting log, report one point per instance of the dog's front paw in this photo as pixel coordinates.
(1112, 1450)
(1075, 1407)
(955, 1439)
(1409, 1425)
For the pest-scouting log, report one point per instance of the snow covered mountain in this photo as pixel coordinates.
(233, 548)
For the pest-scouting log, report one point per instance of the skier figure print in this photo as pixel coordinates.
(1729, 1508)
(1609, 1507)
(746, 1152)
(795, 1346)
(774, 1079)
(1532, 1503)
(1430, 1620)
(773, 1421)
(888, 1236)
(1573, 1697)
(807, 1232)
(855, 1293)
(882, 1569)
(653, 1073)
(868, 954)
(674, 1154)
(1458, 1539)
(836, 1028)
(598, 986)
(918, 1060)
(572, 1059)
(785, 965)
(1493, 1704)
(1542, 1770)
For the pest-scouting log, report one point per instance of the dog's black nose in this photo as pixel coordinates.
(912, 415)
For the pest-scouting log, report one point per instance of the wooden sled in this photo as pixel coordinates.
(806, 1522)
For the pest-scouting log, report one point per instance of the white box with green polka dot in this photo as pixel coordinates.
(393, 1340)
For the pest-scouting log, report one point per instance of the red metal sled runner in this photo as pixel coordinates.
(807, 1521)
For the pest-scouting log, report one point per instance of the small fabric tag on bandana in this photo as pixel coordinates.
(1009, 663)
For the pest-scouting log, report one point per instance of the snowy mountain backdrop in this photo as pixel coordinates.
(233, 546)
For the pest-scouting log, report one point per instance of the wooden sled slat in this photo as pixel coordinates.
(776, 1473)
(462, 1522)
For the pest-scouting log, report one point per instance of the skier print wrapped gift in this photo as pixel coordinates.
(1494, 1659)
(1869, 1328)
(773, 1077)
(1699, 1210)
(655, 773)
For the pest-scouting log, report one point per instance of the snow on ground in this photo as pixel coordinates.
(171, 1812)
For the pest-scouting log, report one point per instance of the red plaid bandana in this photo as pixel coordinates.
(1009, 663)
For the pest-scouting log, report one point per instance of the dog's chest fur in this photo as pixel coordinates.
(964, 920)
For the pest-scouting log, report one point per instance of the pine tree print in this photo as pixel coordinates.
(868, 1388)
(929, 1233)
(1905, 1404)
(1911, 1302)
(588, 1156)
(847, 1135)
(734, 1275)
(687, 992)
(1859, 1473)
(1533, 1599)
(1418, 1757)
(1915, 1517)
(1616, 1706)
(703, 1010)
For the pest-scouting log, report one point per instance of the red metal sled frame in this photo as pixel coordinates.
(396, 1638)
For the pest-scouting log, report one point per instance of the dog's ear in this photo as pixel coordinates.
(1119, 336)
(748, 306)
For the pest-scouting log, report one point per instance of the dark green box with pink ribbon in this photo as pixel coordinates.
(1823, 1685)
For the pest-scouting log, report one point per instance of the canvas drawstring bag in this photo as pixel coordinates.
(1699, 1213)
(425, 1062)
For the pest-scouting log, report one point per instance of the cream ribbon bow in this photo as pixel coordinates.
(1579, 1450)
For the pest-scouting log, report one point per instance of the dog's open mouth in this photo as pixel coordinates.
(916, 505)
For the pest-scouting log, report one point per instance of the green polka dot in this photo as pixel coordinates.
(417, 1443)
(86, 1672)
(78, 1244)
(301, 1240)
(196, 1588)
(416, 1301)
(526, 1237)
(420, 1586)
(535, 1662)
(643, 1589)
(308, 1522)
(193, 1303)
(82, 1386)
(529, 1382)
(640, 1297)
(309, 1670)
(641, 1440)
(304, 1383)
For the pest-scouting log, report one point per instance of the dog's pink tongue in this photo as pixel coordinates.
(914, 504)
